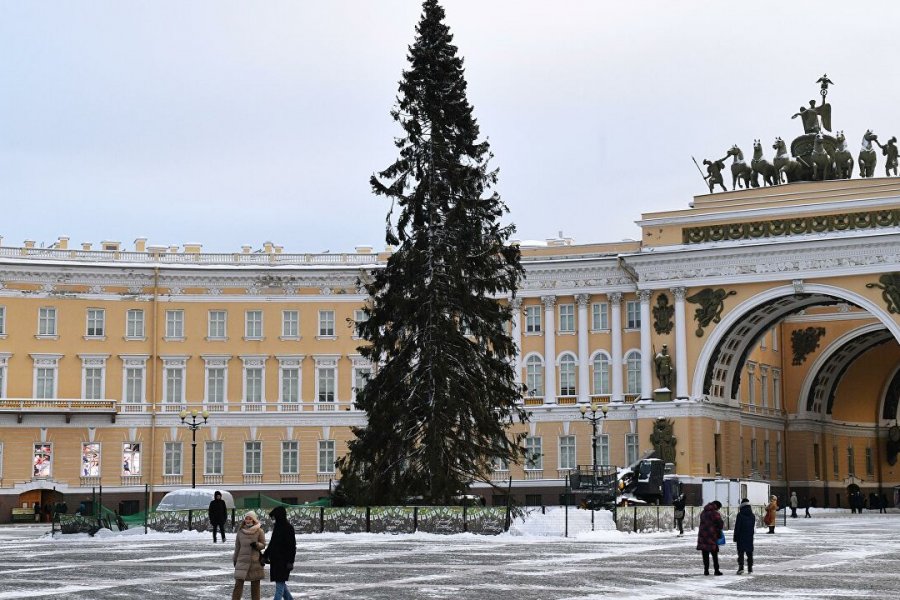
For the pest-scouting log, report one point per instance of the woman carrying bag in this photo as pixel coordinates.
(709, 534)
(280, 553)
(248, 546)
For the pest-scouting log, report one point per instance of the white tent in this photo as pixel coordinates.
(192, 499)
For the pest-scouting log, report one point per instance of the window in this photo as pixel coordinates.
(567, 318)
(775, 339)
(215, 384)
(359, 316)
(325, 379)
(816, 462)
(3, 360)
(253, 324)
(326, 456)
(754, 458)
(631, 448)
(174, 389)
(751, 383)
(499, 464)
(90, 459)
(253, 384)
(599, 316)
(870, 463)
(42, 460)
(2, 320)
(533, 318)
(779, 459)
(633, 367)
(762, 341)
(767, 458)
(326, 323)
(214, 454)
(633, 314)
(567, 452)
(253, 458)
(776, 389)
(96, 320)
(217, 325)
(290, 384)
(360, 378)
(93, 383)
(134, 323)
(851, 462)
(172, 458)
(290, 458)
(290, 324)
(764, 386)
(174, 324)
(602, 449)
(1, 460)
(834, 460)
(534, 376)
(47, 321)
(534, 456)
(567, 375)
(131, 458)
(45, 382)
(601, 374)
(134, 384)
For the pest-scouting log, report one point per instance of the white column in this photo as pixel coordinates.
(516, 334)
(615, 329)
(681, 365)
(549, 349)
(646, 354)
(584, 389)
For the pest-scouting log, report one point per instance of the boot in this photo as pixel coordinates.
(719, 573)
(740, 571)
(750, 564)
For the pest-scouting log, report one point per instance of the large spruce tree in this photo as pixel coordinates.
(443, 394)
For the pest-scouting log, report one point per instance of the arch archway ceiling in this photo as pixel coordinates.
(724, 370)
(822, 391)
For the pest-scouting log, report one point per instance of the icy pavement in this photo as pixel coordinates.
(834, 555)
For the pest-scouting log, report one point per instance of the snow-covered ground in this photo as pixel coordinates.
(833, 555)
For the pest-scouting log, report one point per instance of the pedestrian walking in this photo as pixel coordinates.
(249, 542)
(218, 514)
(678, 505)
(771, 513)
(711, 526)
(280, 553)
(809, 504)
(883, 504)
(794, 504)
(744, 529)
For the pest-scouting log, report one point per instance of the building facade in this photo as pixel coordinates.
(776, 308)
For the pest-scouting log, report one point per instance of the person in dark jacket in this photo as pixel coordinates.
(678, 505)
(744, 528)
(711, 526)
(280, 553)
(218, 513)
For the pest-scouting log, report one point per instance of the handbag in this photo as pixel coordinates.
(721, 540)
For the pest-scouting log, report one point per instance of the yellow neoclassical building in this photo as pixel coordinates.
(778, 308)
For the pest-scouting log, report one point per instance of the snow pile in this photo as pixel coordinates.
(552, 523)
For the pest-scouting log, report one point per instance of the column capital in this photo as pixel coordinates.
(679, 292)
(549, 302)
(615, 298)
(582, 300)
(644, 296)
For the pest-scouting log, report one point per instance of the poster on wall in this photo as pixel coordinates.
(90, 460)
(43, 453)
(131, 458)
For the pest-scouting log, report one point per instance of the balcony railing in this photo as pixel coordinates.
(172, 479)
(131, 480)
(252, 478)
(57, 406)
(534, 474)
(212, 479)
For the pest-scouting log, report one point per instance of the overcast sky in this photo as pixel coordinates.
(237, 122)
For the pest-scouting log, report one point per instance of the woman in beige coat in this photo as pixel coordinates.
(771, 513)
(248, 544)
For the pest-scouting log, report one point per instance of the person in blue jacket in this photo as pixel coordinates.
(744, 528)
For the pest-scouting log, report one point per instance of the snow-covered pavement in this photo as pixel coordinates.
(834, 555)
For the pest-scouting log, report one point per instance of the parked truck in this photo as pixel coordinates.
(730, 492)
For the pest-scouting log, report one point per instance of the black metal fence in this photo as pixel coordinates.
(645, 519)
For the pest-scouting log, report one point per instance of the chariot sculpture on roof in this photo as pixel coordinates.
(816, 155)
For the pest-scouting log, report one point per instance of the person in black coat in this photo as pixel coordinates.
(280, 553)
(744, 528)
(678, 505)
(218, 513)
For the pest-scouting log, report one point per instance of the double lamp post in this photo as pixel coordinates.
(591, 414)
(194, 425)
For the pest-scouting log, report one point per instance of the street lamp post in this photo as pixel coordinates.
(194, 425)
(594, 418)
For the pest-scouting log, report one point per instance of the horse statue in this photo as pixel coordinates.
(821, 160)
(760, 166)
(740, 171)
(843, 160)
(867, 156)
(783, 163)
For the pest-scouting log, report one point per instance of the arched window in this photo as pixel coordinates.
(534, 376)
(601, 374)
(633, 369)
(567, 375)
